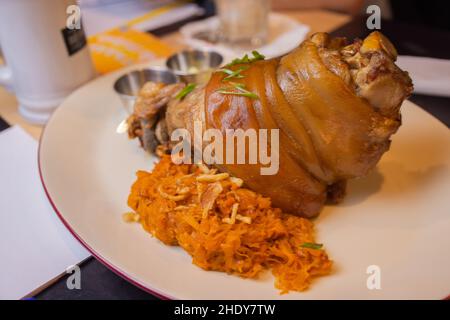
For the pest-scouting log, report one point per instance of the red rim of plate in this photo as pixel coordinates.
(97, 256)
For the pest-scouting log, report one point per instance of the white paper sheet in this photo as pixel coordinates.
(99, 16)
(35, 247)
(430, 76)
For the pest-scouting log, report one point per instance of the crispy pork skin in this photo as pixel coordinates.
(335, 104)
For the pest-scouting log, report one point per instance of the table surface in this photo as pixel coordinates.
(98, 282)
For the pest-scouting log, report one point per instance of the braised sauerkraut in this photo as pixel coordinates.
(226, 227)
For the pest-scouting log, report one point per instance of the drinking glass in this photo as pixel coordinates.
(243, 23)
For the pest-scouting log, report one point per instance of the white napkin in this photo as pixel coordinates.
(35, 247)
(430, 76)
(285, 34)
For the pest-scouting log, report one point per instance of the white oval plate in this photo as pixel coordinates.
(397, 218)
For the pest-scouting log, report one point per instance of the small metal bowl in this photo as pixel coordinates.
(128, 85)
(194, 66)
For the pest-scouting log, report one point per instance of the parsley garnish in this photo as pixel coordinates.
(239, 88)
(185, 91)
(310, 245)
(233, 73)
(240, 91)
(257, 56)
(245, 59)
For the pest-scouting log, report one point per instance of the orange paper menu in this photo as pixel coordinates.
(121, 47)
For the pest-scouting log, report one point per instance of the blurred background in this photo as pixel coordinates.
(121, 33)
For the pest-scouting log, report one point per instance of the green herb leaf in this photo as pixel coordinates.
(237, 76)
(226, 71)
(245, 59)
(247, 94)
(241, 91)
(185, 91)
(257, 55)
(310, 245)
(233, 73)
(241, 88)
(237, 85)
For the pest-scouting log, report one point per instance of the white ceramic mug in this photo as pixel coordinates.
(45, 60)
